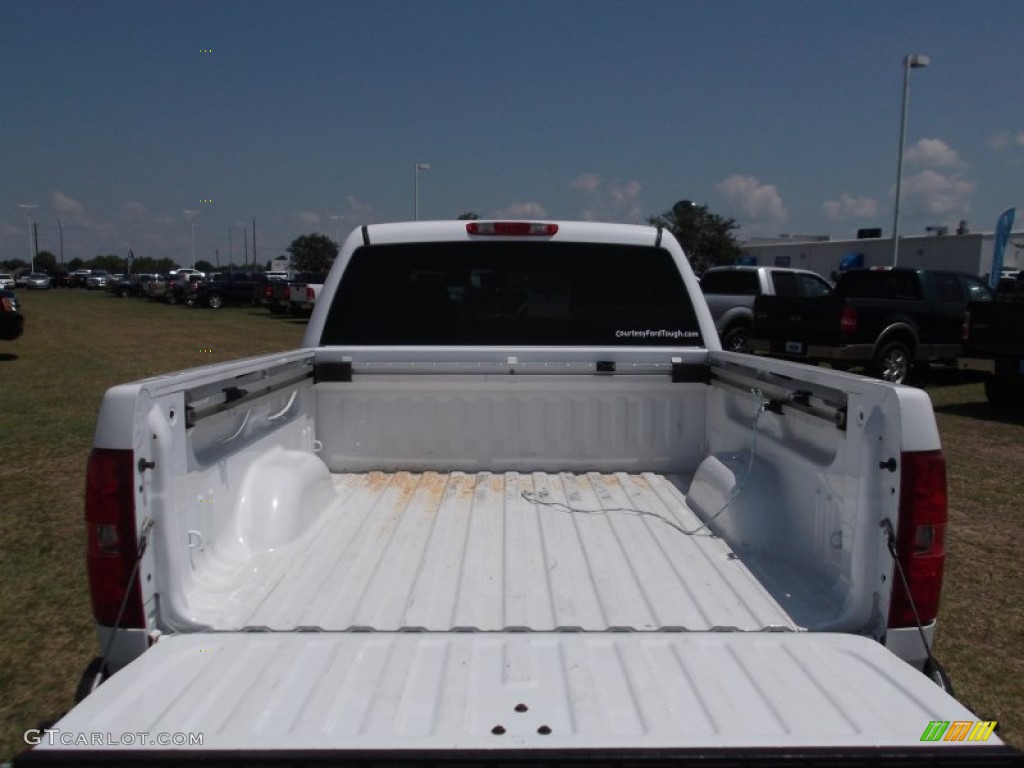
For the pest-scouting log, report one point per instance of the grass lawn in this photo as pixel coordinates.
(981, 617)
(79, 343)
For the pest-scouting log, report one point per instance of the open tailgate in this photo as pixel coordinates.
(459, 698)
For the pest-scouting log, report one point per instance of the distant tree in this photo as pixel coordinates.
(313, 253)
(45, 262)
(12, 264)
(706, 237)
(147, 265)
(75, 264)
(469, 216)
(110, 262)
(205, 266)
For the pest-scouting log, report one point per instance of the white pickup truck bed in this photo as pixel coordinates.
(475, 551)
(476, 537)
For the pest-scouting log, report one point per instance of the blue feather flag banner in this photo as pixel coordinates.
(1003, 227)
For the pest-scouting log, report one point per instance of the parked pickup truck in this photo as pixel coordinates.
(994, 344)
(276, 294)
(730, 293)
(229, 288)
(888, 320)
(511, 504)
(303, 296)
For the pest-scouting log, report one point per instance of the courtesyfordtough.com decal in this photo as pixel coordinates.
(660, 333)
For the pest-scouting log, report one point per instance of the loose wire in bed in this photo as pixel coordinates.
(734, 493)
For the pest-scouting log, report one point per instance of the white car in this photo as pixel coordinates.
(97, 279)
(6, 281)
(186, 271)
(37, 280)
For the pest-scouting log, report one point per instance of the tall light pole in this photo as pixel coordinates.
(416, 188)
(190, 215)
(910, 61)
(336, 220)
(31, 238)
(60, 228)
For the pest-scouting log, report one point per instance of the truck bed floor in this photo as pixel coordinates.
(508, 551)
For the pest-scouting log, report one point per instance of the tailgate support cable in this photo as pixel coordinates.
(890, 541)
(147, 526)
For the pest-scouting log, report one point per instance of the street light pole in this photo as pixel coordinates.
(60, 227)
(190, 215)
(910, 61)
(336, 220)
(31, 239)
(416, 188)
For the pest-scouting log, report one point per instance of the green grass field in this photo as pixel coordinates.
(79, 343)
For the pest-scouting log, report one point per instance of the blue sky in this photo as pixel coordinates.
(784, 115)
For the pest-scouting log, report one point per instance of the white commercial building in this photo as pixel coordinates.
(969, 252)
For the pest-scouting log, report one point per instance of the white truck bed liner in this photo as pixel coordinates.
(462, 551)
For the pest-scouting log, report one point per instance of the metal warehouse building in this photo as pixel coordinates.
(965, 252)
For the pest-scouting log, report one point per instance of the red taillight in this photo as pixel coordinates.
(511, 228)
(920, 541)
(111, 544)
(268, 292)
(287, 292)
(310, 294)
(848, 320)
(7, 304)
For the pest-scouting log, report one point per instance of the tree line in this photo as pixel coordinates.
(706, 237)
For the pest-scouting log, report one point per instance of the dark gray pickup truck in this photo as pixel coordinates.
(887, 320)
(730, 293)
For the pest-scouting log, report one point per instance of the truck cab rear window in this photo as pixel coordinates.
(512, 293)
(880, 284)
(731, 282)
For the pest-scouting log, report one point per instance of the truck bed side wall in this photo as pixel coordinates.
(804, 513)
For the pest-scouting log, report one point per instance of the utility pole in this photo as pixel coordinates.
(35, 243)
(60, 228)
(254, 243)
(910, 61)
(190, 215)
(416, 189)
(246, 233)
(31, 226)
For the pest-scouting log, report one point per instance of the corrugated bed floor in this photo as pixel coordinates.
(487, 552)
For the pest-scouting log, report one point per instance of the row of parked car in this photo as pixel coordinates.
(82, 278)
(280, 292)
